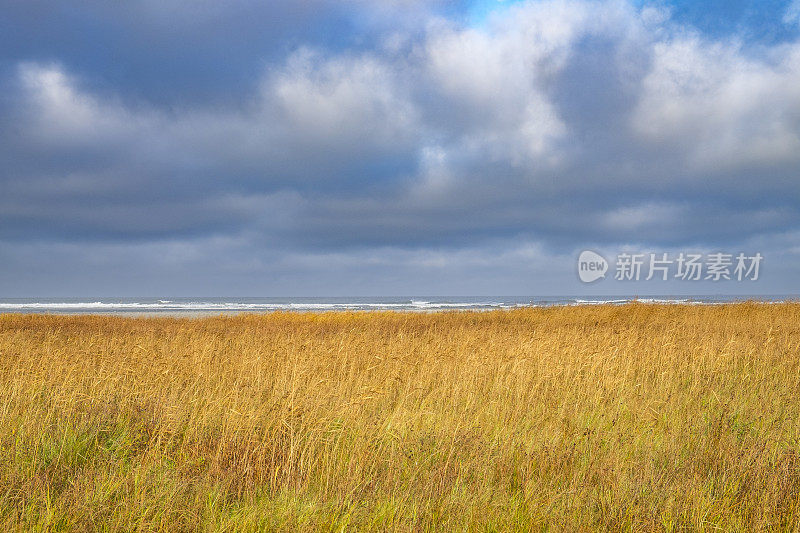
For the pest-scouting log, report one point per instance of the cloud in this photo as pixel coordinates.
(726, 108)
(792, 14)
(551, 126)
(342, 102)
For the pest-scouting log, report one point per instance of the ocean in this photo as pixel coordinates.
(222, 305)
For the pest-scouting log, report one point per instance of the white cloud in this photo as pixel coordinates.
(61, 112)
(723, 108)
(496, 78)
(343, 99)
(792, 14)
(641, 218)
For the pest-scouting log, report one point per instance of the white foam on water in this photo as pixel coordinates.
(168, 305)
(579, 301)
(199, 305)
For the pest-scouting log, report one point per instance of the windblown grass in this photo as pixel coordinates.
(638, 417)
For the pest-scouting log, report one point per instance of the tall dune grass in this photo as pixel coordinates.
(639, 417)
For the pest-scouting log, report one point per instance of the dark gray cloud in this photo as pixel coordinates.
(170, 52)
(258, 147)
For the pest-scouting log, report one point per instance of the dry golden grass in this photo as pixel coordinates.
(638, 417)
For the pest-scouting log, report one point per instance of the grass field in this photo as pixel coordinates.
(639, 417)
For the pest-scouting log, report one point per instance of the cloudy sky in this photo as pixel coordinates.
(392, 147)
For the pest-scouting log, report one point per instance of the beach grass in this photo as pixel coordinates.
(636, 417)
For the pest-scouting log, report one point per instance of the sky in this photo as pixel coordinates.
(393, 147)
